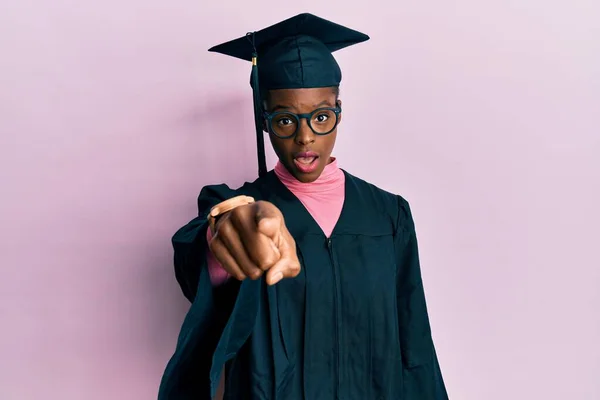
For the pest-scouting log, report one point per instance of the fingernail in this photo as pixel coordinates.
(276, 278)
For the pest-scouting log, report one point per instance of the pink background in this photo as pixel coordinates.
(485, 115)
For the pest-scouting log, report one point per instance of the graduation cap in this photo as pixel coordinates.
(292, 54)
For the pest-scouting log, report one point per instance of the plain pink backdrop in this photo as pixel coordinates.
(485, 115)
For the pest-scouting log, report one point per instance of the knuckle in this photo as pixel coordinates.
(256, 274)
(236, 215)
(225, 229)
(239, 276)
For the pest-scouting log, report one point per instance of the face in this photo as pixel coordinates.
(306, 154)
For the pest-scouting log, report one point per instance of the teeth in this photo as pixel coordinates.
(306, 160)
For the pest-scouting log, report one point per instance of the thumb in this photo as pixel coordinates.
(288, 265)
(284, 268)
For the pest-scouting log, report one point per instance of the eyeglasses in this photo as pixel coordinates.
(284, 124)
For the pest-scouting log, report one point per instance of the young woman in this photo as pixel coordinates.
(305, 284)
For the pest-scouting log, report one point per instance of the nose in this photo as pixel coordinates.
(305, 135)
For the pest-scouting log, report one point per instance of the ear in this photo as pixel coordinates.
(339, 104)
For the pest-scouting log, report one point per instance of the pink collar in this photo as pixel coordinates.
(331, 179)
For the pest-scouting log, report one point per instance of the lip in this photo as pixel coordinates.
(306, 154)
(306, 168)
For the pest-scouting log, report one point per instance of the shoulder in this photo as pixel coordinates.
(392, 204)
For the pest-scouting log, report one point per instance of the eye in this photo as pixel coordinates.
(285, 121)
(321, 118)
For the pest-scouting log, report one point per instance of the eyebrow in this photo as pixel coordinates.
(282, 107)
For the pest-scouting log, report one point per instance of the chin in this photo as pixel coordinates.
(305, 177)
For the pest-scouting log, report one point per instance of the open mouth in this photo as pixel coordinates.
(306, 162)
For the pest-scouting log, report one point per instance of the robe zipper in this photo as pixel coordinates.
(336, 308)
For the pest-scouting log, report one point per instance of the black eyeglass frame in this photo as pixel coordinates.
(308, 116)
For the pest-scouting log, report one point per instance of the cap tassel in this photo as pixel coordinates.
(260, 140)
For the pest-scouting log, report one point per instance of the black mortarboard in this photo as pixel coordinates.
(292, 54)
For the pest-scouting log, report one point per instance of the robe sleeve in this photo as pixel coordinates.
(189, 242)
(187, 374)
(220, 318)
(422, 375)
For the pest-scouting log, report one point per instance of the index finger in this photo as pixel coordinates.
(259, 247)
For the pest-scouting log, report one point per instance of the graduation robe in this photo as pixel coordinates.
(352, 325)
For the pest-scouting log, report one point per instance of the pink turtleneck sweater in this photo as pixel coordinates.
(323, 199)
